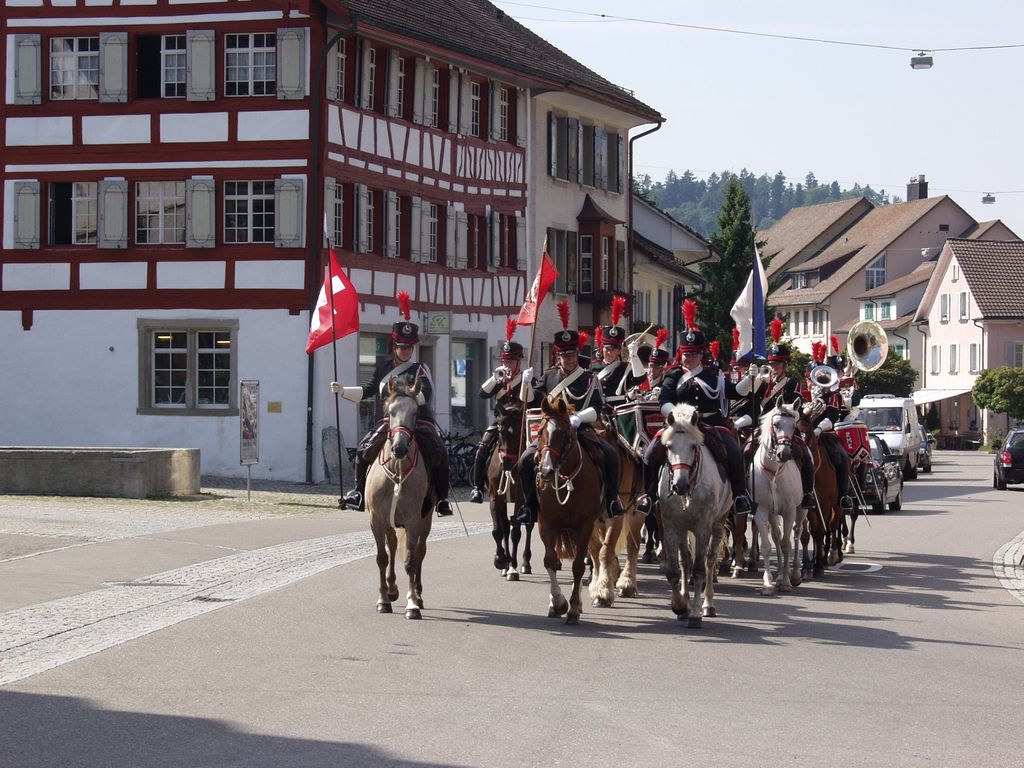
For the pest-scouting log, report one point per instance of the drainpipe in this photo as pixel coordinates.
(629, 204)
(314, 225)
(981, 367)
(924, 353)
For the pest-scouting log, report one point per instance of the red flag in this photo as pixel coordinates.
(541, 285)
(323, 328)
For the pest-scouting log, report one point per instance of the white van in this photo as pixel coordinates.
(894, 419)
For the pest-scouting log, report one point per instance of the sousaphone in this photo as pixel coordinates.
(867, 346)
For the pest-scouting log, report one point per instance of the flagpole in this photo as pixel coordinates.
(529, 364)
(754, 285)
(334, 354)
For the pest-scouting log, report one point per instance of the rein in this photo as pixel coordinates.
(566, 485)
(692, 468)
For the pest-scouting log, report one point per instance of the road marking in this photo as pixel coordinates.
(1008, 564)
(40, 637)
(857, 567)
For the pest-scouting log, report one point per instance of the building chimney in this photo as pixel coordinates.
(917, 188)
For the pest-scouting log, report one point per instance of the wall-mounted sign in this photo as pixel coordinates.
(248, 418)
(439, 323)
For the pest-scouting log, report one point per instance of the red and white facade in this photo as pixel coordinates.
(167, 165)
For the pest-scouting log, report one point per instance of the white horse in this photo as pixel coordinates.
(397, 487)
(776, 488)
(695, 501)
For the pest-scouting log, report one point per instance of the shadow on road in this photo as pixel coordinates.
(38, 730)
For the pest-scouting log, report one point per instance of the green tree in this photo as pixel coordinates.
(734, 240)
(896, 377)
(797, 365)
(1001, 390)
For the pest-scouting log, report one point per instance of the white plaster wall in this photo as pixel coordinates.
(124, 276)
(197, 127)
(954, 331)
(274, 125)
(36, 277)
(116, 129)
(190, 274)
(38, 131)
(269, 274)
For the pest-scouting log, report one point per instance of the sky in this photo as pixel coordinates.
(846, 113)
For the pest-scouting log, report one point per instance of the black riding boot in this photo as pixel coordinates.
(527, 513)
(441, 483)
(737, 478)
(806, 465)
(354, 498)
(841, 462)
(611, 480)
(483, 455)
(654, 457)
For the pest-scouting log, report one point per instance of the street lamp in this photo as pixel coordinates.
(988, 198)
(921, 61)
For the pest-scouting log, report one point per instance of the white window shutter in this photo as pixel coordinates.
(27, 69)
(622, 164)
(454, 89)
(365, 94)
(461, 240)
(421, 88)
(113, 74)
(464, 91)
(494, 117)
(26, 214)
(416, 231)
(112, 219)
(394, 62)
(520, 117)
(521, 243)
(450, 236)
(600, 157)
(362, 201)
(495, 240)
(331, 74)
(200, 75)
(200, 202)
(289, 207)
(330, 195)
(390, 224)
(291, 63)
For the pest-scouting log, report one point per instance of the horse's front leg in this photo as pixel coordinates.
(578, 567)
(392, 575)
(557, 604)
(850, 549)
(626, 585)
(764, 521)
(795, 575)
(415, 548)
(785, 544)
(602, 545)
(500, 532)
(526, 568)
(711, 566)
(385, 598)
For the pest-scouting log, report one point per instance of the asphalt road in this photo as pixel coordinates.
(215, 632)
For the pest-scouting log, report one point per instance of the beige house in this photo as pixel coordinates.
(972, 319)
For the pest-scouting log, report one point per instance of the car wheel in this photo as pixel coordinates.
(909, 472)
(928, 467)
(998, 482)
(897, 504)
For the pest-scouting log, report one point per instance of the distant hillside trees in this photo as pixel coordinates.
(698, 202)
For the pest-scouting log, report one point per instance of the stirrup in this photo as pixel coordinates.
(846, 503)
(525, 515)
(644, 505)
(808, 502)
(615, 508)
(444, 509)
(741, 505)
(476, 496)
(354, 500)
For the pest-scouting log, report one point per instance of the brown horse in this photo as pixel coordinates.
(398, 499)
(571, 497)
(613, 536)
(506, 495)
(828, 516)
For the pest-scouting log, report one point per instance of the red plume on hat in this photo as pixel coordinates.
(834, 340)
(563, 312)
(777, 329)
(598, 338)
(661, 337)
(618, 307)
(818, 350)
(679, 354)
(716, 349)
(584, 340)
(510, 328)
(735, 338)
(403, 304)
(690, 313)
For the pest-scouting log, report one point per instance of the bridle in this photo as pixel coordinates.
(693, 468)
(558, 457)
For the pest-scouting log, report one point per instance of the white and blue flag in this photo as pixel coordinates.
(749, 315)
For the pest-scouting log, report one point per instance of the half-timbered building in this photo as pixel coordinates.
(173, 172)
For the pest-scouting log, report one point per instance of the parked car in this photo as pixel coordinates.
(894, 419)
(1009, 461)
(924, 453)
(883, 479)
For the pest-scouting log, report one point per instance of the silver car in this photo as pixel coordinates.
(924, 453)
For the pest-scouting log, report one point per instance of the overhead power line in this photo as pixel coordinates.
(607, 17)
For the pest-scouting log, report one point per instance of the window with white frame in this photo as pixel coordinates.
(606, 255)
(954, 358)
(474, 109)
(432, 232)
(190, 366)
(799, 280)
(371, 196)
(874, 275)
(72, 213)
(159, 212)
(807, 323)
(340, 63)
(250, 64)
(898, 350)
(371, 76)
(885, 310)
(586, 264)
(400, 87)
(74, 68)
(819, 326)
(338, 216)
(936, 355)
(964, 305)
(867, 311)
(956, 272)
(396, 226)
(944, 308)
(1015, 358)
(248, 211)
(172, 66)
(975, 357)
(435, 95)
(503, 114)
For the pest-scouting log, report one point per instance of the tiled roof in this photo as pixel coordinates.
(869, 237)
(891, 288)
(479, 29)
(994, 270)
(799, 228)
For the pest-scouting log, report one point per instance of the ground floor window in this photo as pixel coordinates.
(468, 363)
(188, 367)
(373, 350)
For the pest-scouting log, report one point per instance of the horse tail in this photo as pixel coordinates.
(565, 547)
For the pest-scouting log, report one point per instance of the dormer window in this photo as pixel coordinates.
(874, 276)
(799, 280)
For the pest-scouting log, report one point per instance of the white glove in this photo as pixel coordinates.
(817, 431)
(335, 387)
(666, 409)
(743, 421)
(753, 370)
(355, 394)
(528, 374)
(575, 421)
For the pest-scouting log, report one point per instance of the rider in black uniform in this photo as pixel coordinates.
(825, 410)
(402, 369)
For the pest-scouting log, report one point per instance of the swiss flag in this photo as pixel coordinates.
(343, 299)
(541, 285)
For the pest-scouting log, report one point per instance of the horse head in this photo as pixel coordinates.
(682, 440)
(510, 428)
(777, 429)
(555, 436)
(401, 410)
